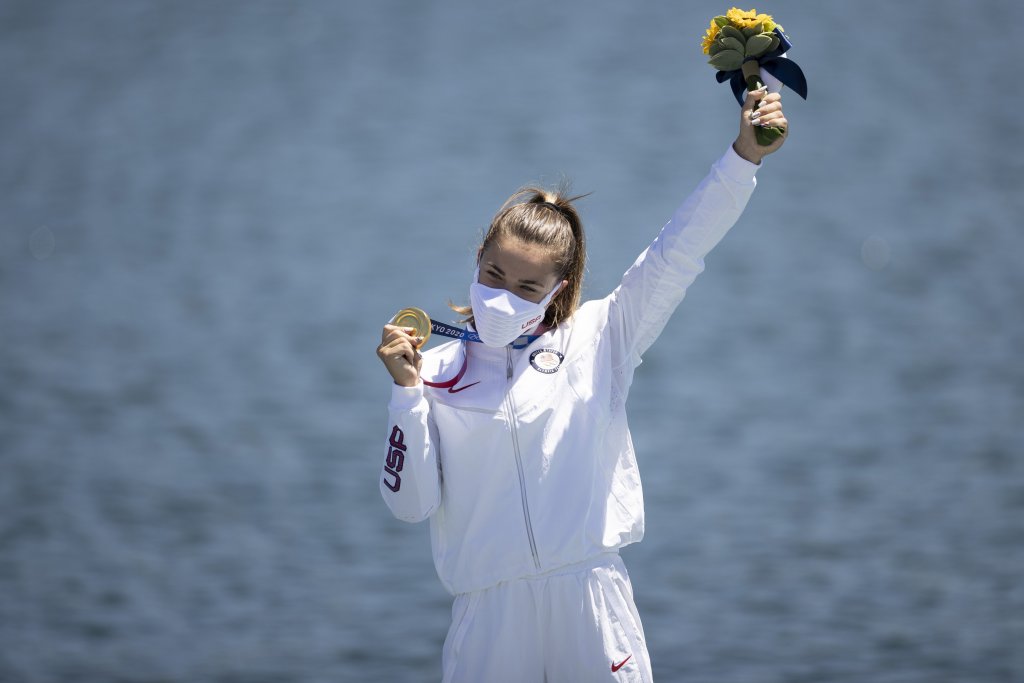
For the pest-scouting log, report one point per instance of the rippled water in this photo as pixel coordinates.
(209, 209)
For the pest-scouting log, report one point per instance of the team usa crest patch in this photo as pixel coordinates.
(546, 360)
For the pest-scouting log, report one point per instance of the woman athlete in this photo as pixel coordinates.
(516, 446)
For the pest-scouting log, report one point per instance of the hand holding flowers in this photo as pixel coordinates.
(742, 45)
(761, 110)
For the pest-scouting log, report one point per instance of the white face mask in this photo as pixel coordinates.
(500, 316)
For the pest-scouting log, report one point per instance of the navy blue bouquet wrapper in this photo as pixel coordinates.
(753, 71)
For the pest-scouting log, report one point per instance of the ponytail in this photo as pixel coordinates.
(546, 218)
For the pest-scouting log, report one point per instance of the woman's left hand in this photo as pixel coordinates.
(768, 114)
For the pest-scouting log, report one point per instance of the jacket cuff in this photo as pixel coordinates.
(405, 398)
(736, 168)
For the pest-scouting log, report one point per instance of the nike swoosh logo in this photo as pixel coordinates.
(616, 667)
(453, 390)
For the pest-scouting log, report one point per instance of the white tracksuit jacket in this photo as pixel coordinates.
(524, 463)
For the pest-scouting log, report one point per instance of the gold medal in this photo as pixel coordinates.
(415, 318)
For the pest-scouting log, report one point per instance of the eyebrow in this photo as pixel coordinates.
(502, 274)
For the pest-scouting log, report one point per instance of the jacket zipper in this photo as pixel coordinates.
(510, 407)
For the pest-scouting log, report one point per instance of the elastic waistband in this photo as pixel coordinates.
(606, 559)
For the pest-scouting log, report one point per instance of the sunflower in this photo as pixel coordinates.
(737, 18)
(710, 35)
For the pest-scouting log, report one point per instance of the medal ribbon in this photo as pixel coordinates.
(520, 342)
(418, 320)
(782, 68)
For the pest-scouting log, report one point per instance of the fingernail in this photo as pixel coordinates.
(755, 115)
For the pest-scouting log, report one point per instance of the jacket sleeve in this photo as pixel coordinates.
(410, 478)
(656, 283)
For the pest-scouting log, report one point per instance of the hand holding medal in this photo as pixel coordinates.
(400, 344)
(415, 318)
(409, 330)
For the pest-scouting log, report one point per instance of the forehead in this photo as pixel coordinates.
(520, 260)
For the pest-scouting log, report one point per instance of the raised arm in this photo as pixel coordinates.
(656, 283)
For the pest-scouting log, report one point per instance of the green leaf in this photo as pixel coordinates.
(715, 48)
(758, 45)
(775, 43)
(732, 44)
(753, 30)
(722, 21)
(727, 60)
(733, 32)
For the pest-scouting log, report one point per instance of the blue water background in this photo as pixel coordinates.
(208, 209)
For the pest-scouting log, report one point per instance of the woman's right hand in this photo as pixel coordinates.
(399, 352)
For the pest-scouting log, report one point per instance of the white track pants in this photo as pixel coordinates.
(573, 624)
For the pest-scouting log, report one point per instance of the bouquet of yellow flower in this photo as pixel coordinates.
(746, 47)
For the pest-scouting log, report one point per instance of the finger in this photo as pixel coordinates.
(772, 124)
(769, 103)
(389, 328)
(392, 345)
(753, 97)
(397, 351)
(770, 106)
(767, 108)
(770, 120)
(407, 349)
(409, 355)
(399, 335)
(766, 113)
(391, 332)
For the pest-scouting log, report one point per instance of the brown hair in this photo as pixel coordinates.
(546, 218)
